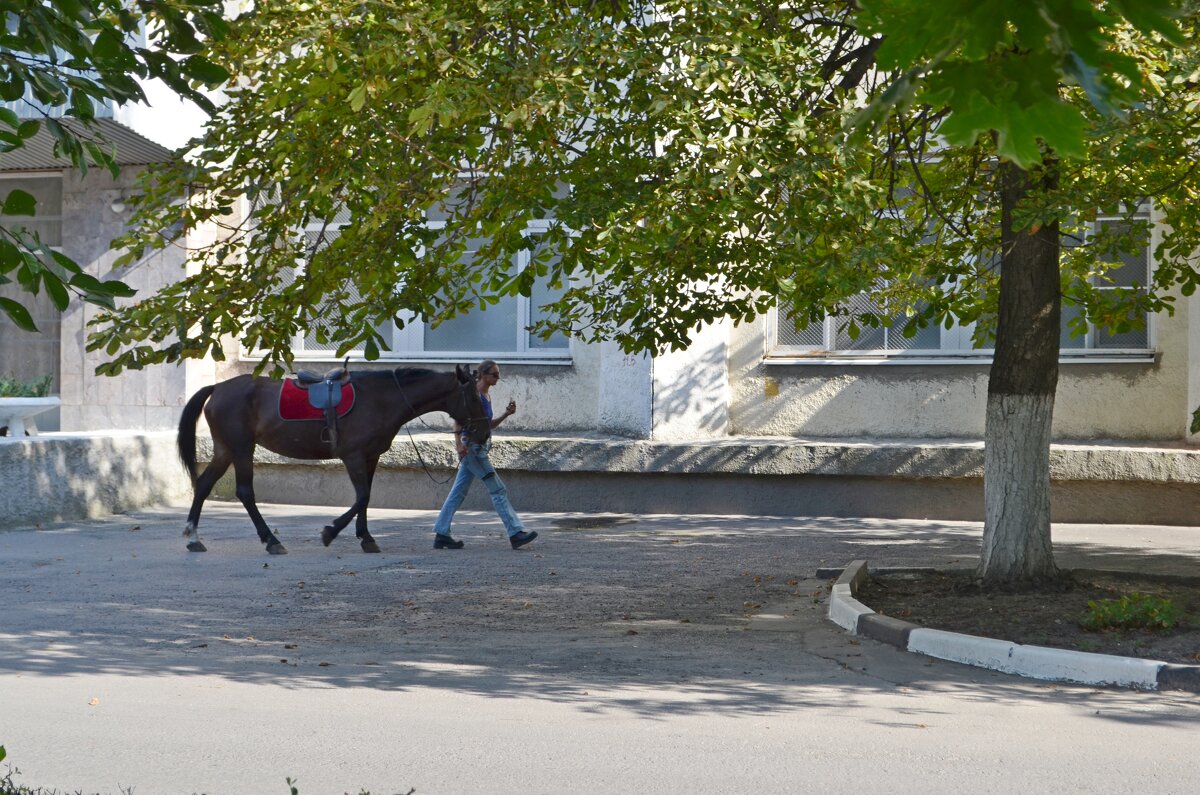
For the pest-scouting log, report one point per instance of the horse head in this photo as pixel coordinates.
(467, 408)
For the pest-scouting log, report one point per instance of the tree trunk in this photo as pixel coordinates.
(1020, 406)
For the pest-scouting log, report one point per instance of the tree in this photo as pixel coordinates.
(1036, 79)
(721, 156)
(65, 57)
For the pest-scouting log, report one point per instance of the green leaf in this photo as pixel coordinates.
(57, 291)
(10, 256)
(106, 289)
(205, 71)
(18, 314)
(1153, 16)
(19, 202)
(12, 89)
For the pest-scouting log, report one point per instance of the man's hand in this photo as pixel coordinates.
(512, 408)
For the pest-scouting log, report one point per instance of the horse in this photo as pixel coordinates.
(243, 412)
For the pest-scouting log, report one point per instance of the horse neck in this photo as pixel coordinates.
(427, 394)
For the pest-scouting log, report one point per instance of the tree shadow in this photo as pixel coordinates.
(657, 617)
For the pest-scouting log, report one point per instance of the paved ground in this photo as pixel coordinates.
(664, 654)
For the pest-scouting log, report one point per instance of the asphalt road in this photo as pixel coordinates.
(659, 654)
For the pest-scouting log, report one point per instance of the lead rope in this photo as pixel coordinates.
(413, 441)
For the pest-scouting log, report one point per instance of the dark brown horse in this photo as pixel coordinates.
(244, 411)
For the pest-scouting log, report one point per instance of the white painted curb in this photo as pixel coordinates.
(844, 609)
(1033, 662)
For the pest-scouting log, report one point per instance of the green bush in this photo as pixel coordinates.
(1130, 611)
(12, 387)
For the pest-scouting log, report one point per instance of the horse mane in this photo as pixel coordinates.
(405, 373)
(399, 373)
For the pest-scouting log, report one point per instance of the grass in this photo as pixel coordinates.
(13, 387)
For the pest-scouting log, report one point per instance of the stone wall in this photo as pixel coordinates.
(61, 477)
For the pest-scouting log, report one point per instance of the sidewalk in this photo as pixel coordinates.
(651, 653)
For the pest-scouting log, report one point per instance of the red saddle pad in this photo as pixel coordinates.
(294, 405)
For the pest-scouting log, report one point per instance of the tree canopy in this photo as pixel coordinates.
(65, 58)
(719, 157)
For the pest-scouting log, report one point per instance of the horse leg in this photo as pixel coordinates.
(361, 473)
(202, 488)
(360, 526)
(243, 469)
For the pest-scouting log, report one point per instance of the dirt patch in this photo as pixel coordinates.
(1048, 615)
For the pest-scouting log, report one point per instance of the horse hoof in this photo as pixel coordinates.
(370, 546)
(196, 546)
(276, 549)
(327, 535)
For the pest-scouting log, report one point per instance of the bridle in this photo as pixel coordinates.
(472, 422)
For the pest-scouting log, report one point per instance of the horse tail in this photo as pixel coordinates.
(187, 430)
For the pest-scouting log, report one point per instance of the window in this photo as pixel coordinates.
(830, 341)
(499, 332)
(1132, 271)
(46, 222)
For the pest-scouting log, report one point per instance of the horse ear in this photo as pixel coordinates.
(464, 373)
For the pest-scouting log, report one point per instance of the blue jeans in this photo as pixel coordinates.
(475, 464)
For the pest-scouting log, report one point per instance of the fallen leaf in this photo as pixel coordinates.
(291, 645)
(200, 646)
(631, 632)
(135, 528)
(324, 664)
(94, 702)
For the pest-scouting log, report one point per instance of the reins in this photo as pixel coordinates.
(408, 430)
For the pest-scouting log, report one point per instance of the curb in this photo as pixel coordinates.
(1034, 662)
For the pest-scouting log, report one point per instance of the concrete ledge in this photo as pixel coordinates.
(746, 455)
(57, 477)
(896, 479)
(1034, 662)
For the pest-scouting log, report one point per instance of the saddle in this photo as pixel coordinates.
(325, 394)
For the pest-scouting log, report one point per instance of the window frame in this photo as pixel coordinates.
(407, 344)
(48, 176)
(777, 353)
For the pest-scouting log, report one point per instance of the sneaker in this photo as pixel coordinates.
(441, 541)
(522, 538)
